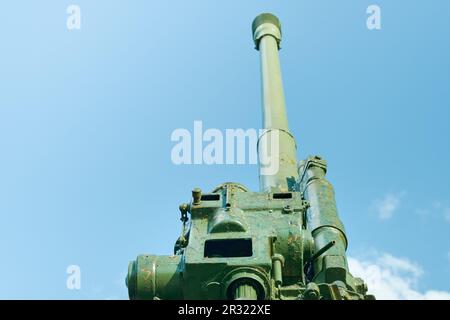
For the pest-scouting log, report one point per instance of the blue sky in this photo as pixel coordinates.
(86, 117)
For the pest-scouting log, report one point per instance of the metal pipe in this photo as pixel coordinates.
(324, 223)
(276, 145)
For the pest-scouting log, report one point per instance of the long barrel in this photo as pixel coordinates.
(276, 145)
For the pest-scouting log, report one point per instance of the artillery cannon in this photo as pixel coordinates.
(284, 242)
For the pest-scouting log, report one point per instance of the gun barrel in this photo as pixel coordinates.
(276, 145)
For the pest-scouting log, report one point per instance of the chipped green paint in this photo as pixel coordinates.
(284, 242)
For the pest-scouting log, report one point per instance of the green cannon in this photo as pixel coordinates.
(285, 242)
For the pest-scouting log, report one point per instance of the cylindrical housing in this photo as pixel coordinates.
(276, 146)
(324, 223)
(154, 277)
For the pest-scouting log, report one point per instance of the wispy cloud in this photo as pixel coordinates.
(436, 210)
(392, 278)
(386, 206)
(400, 265)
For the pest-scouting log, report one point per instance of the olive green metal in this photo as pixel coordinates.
(276, 139)
(284, 242)
(154, 277)
(277, 269)
(196, 196)
(324, 223)
(245, 292)
(266, 23)
(321, 251)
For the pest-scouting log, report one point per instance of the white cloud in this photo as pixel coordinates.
(400, 265)
(392, 278)
(386, 206)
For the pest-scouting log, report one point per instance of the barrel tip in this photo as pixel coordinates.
(267, 19)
